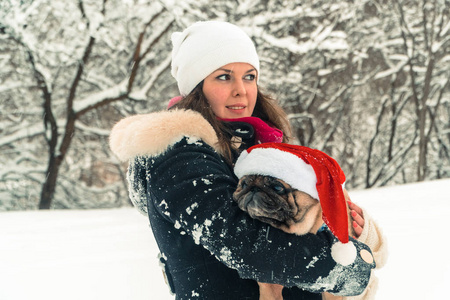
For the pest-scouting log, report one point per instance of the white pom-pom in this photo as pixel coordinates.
(343, 254)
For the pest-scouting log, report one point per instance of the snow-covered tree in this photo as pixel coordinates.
(65, 63)
(366, 81)
(406, 44)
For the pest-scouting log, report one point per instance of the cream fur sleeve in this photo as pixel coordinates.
(372, 237)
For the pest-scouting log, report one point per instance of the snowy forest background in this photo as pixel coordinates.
(366, 81)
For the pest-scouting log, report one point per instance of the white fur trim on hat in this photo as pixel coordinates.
(204, 47)
(282, 165)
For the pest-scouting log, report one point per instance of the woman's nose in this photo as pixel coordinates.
(239, 88)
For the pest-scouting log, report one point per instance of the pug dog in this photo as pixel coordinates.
(276, 203)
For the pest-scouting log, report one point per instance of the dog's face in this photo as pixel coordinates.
(273, 201)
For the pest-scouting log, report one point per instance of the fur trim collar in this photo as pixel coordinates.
(152, 134)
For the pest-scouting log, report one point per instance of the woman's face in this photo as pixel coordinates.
(231, 90)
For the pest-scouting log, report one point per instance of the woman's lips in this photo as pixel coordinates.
(237, 106)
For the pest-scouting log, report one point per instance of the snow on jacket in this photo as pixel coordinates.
(212, 249)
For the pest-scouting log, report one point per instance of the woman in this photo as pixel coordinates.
(181, 175)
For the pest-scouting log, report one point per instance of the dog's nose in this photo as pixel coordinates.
(255, 189)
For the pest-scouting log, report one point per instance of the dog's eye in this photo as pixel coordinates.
(278, 188)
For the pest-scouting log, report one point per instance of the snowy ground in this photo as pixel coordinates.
(110, 254)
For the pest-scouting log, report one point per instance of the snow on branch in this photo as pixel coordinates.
(325, 105)
(116, 92)
(37, 129)
(142, 93)
(27, 132)
(92, 130)
(391, 71)
(323, 38)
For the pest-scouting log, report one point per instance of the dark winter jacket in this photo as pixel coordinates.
(212, 249)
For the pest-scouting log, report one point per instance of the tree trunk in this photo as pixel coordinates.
(423, 139)
(49, 186)
(55, 162)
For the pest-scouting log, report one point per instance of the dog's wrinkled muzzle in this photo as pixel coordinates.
(259, 206)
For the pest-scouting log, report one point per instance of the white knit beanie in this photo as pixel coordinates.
(204, 47)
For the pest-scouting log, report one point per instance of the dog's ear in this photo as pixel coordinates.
(241, 189)
(243, 183)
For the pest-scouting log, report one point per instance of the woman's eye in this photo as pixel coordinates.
(243, 184)
(250, 77)
(223, 77)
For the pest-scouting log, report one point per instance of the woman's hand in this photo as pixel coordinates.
(356, 214)
(358, 218)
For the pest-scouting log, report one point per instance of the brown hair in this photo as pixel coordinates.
(266, 108)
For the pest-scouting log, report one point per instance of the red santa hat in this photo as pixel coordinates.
(308, 170)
